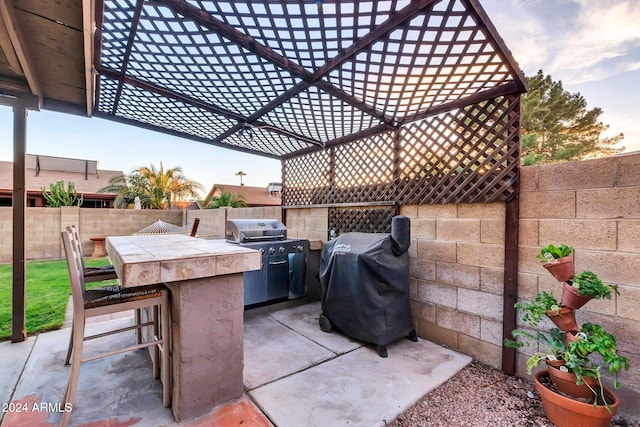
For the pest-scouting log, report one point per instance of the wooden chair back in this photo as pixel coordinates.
(76, 276)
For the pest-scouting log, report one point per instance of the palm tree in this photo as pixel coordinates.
(225, 199)
(241, 174)
(156, 188)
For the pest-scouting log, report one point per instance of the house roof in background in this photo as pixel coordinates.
(92, 183)
(254, 196)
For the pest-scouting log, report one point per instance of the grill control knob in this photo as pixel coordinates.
(300, 248)
(281, 249)
(272, 251)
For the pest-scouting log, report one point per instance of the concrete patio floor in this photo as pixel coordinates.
(294, 375)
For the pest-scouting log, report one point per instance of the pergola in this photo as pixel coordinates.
(368, 104)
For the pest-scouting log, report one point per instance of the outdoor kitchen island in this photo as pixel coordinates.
(206, 284)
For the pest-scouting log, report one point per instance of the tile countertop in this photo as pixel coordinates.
(145, 260)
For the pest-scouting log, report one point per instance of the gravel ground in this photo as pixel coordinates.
(482, 396)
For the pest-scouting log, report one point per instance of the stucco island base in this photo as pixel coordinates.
(207, 348)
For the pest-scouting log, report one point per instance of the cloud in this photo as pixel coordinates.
(598, 41)
(529, 46)
(580, 40)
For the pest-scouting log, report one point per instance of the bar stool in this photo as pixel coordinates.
(113, 299)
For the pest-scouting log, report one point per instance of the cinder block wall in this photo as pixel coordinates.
(457, 258)
(212, 221)
(456, 271)
(593, 206)
(309, 223)
(43, 225)
(6, 234)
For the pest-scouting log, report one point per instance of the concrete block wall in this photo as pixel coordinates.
(42, 231)
(43, 225)
(308, 223)
(456, 264)
(118, 222)
(6, 234)
(212, 221)
(593, 206)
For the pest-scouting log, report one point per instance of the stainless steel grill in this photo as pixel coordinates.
(283, 260)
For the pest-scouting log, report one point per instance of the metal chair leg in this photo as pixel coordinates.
(74, 374)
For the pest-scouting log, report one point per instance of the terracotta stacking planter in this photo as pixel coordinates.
(560, 268)
(566, 412)
(551, 364)
(570, 297)
(564, 319)
(566, 383)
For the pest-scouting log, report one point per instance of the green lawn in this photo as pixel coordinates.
(48, 292)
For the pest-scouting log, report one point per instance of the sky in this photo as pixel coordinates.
(592, 46)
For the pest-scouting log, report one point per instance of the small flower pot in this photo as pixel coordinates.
(571, 299)
(564, 319)
(566, 412)
(570, 337)
(561, 268)
(554, 364)
(566, 383)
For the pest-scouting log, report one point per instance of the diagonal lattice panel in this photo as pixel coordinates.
(441, 55)
(116, 27)
(462, 156)
(309, 33)
(265, 141)
(361, 220)
(468, 155)
(319, 116)
(327, 72)
(307, 179)
(150, 109)
(108, 89)
(363, 170)
(176, 54)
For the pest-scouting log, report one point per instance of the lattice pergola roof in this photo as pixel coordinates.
(284, 78)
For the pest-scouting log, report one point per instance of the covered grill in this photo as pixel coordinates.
(282, 275)
(365, 285)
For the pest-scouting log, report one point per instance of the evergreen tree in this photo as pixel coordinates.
(557, 126)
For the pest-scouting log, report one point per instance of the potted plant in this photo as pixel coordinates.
(545, 304)
(582, 357)
(553, 342)
(584, 287)
(558, 260)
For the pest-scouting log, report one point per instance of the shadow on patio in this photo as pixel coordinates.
(294, 375)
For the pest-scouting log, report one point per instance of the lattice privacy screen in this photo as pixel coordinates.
(285, 77)
(467, 155)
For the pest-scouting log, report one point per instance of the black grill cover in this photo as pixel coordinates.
(365, 284)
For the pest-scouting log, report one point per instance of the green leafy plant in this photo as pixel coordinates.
(551, 252)
(589, 284)
(553, 341)
(225, 198)
(58, 195)
(534, 311)
(594, 340)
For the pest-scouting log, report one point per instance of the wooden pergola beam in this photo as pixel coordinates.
(205, 106)
(19, 198)
(7, 48)
(501, 47)
(252, 45)
(17, 39)
(88, 32)
(502, 90)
